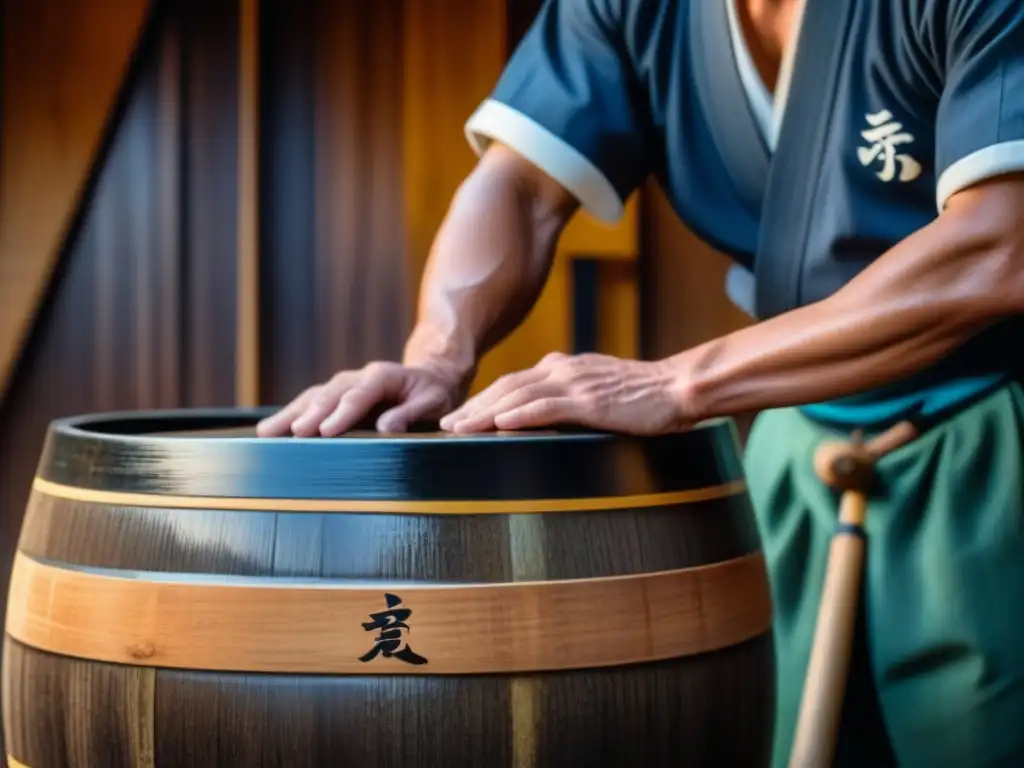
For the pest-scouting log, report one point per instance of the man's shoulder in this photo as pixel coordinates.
(646, 26)
(643, 33)
(644, 13)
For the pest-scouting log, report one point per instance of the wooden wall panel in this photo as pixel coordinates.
(597, 239)
(64, 65)
(336, 291)
(210, 53)
(289, 339)
(361, 294)
(618, 314)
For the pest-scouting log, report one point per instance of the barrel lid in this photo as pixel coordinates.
(215, 452)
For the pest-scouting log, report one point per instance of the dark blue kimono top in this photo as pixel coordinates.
(884, 110)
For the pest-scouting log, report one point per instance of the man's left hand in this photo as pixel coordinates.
(595, 391)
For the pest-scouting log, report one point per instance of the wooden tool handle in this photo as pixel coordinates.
(825, 684)
(849, 468)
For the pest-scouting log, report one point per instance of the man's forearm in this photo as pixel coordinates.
(488, 263)
(908, 310)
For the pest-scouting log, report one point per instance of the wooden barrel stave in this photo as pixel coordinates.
(484, 548)
(272, 721)
(73, 711)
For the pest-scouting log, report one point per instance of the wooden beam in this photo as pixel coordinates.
(247, 363)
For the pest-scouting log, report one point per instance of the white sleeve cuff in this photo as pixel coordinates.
(494, 121)
(978, 166)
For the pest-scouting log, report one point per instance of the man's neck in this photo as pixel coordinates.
(768, 27)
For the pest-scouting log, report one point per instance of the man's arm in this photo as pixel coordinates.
(908, 310)
(489, 261)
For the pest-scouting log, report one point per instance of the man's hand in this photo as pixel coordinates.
(416, 393)
(594, 391)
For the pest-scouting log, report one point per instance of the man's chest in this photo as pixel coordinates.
(765, 30)
(845, 158)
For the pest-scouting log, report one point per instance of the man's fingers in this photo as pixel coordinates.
(481, 402)
(280, 423)
(420, 406)
(352, 407)
(376, 384)
(348, 398)
(483, 419)
(308, 422)
(544, 412)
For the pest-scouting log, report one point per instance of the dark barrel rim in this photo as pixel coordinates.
(141, 425)
(118, 452)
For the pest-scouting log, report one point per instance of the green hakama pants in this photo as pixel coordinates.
(937, 677)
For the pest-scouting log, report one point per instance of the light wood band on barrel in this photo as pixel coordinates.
(389, 506)
(12, 763)
(272, 625)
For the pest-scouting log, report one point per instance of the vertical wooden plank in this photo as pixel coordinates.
(289, 339)
(166, 342)
(598, 239)
(335, 292)
(618, 327)
(248, 330)
(361, 295)
(210, 65)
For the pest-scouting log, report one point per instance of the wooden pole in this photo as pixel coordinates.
(849, 468)
(248, 325)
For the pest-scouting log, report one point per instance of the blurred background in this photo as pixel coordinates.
(220, 202)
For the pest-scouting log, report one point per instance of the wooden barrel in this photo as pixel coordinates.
(186, 594)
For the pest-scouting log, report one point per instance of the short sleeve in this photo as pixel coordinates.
(567, 102)
(980, 121)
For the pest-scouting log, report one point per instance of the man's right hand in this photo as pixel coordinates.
(329, 409)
